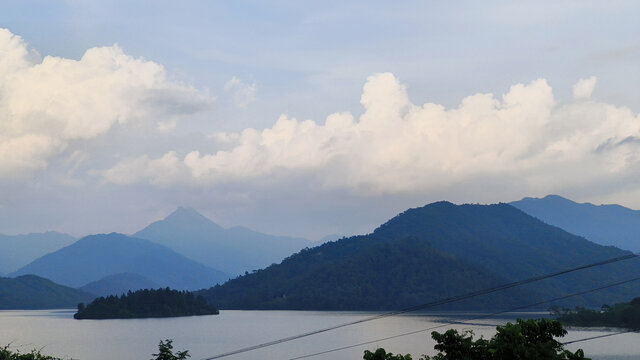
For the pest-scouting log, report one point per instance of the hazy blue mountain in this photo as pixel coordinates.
(33, 292)
(430, 253)
(604, 224)
(94, 257)
(19, 250)
(234, 250)
(118, 284)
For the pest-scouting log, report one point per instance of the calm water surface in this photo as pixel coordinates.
(57, 333)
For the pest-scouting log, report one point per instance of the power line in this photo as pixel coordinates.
(425, 305)
(472, 319)
(597, 337)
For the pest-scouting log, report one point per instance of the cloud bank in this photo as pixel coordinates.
(48, 103)
(396, 146)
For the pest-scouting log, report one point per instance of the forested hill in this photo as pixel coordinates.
(358, 273)
(33, 292)
(429, 253)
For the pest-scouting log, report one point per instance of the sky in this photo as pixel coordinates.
(310, 118)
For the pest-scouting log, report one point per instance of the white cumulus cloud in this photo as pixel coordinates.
(46, 103)
(397, 146)
(242, 94)
(584, 88)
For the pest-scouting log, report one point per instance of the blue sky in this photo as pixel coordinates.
(203, 103)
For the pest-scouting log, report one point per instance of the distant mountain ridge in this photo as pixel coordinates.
(489, 244)
(29, 292)
(603, 224)
(19, 250)
(234, 250)
(118, 284)
(96, 256)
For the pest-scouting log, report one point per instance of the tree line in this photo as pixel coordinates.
(623, 315)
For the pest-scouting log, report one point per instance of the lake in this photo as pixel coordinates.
(57, 333)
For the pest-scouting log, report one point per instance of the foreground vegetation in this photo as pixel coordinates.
(165, 352)
(524, 340)
(6, 354)
(146, 304)
(623, 315)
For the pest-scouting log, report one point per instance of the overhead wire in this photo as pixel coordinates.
(484, 316)
(598, 337)
(425, 305)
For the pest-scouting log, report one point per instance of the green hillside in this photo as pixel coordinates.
(431, 253)
(359, 273)
(33, 292)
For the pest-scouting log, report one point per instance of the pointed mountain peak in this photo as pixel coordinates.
(185, 211)
(185, 217)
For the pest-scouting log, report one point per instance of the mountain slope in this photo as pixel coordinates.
(603, 224)
(431, 253)
(360, 273)
(118, 284)
(233, 250)
(19, 250)
(94, 257)
(33, 292)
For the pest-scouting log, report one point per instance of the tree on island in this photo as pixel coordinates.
(146, 304)
(525, 340)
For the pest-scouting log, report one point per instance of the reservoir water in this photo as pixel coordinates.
(57, 333)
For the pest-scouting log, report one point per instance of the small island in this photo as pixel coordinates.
(622, 315)
(146, 304)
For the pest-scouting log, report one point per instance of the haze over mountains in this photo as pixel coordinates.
(603, 224)
(97, 256)
(234, 250)
(19, 250)
(118, 284)
(430, 253)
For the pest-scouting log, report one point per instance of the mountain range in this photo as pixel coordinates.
(234, 250)
(430, 253)
(19, 250)
(603, 224)
(422, 254)
(94, 257)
